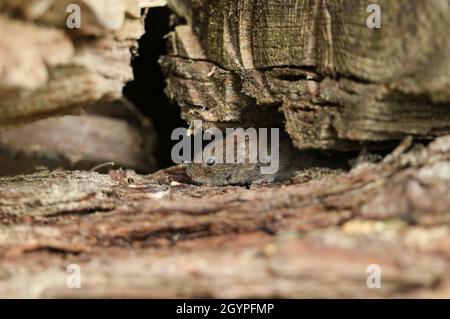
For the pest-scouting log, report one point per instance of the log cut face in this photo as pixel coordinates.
(336, 81)
(159, 236)
(47, 68)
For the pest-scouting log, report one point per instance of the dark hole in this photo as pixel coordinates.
(292, 77)
(147, 89)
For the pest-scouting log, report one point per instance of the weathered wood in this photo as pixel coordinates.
(312, 64)
(336, 81)
(156, 236)
(113, 133)
(47, 68)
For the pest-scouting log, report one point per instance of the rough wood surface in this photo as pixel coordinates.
(159, 236)
(47, 68)
(114, 133)
(312, 67)
(336, 81)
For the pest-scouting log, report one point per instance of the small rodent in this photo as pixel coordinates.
(209, 172)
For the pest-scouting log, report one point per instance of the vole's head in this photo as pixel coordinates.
(211, 168)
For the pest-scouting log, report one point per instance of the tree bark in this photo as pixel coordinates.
(47, 68)
(157, 236)
(337, 82)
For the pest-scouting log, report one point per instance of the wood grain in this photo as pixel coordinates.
(337, 82)
(159, 236)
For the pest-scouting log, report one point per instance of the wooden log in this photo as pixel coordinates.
(47, 68)
(114, 133)
(337, 82)
(158, 236)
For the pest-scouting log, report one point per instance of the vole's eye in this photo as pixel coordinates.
(210, 161)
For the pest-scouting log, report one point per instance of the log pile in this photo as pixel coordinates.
(312, 68)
